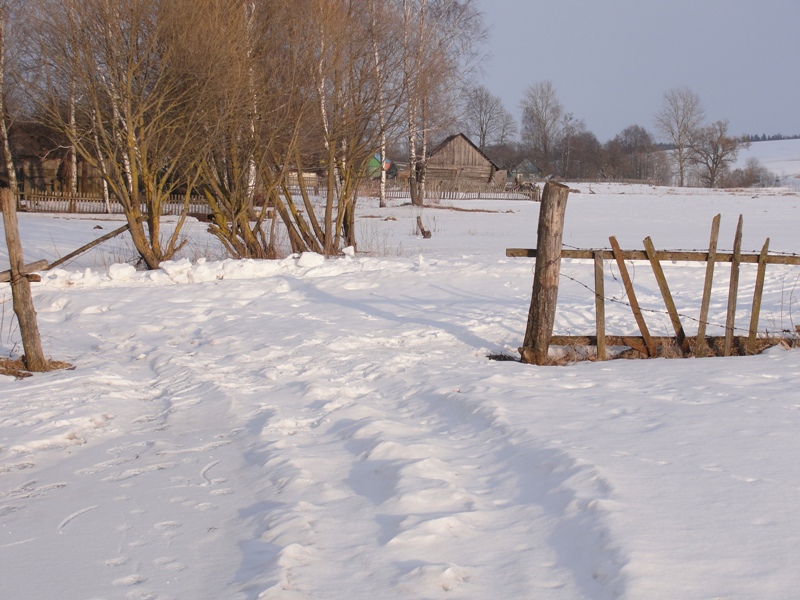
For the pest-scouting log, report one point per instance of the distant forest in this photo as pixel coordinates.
(770, 138)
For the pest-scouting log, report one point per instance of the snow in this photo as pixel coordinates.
(311, 428)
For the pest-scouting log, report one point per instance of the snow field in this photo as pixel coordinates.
(312, 428)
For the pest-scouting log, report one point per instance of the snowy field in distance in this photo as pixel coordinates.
(781, 157)
(310, 428)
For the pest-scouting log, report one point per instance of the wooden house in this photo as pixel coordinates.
(457, 161)
(525, 171)
(42, 162)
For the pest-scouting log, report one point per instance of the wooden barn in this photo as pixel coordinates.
(457, 161)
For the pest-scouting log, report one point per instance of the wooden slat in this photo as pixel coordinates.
(661, 279)
(701, 345)
(733, 288)
(39, 265)
(637, 342)
(637, 312)
(757, 294)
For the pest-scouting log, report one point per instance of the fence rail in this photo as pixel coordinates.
(93, 204)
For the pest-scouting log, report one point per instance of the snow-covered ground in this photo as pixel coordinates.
(333, 429)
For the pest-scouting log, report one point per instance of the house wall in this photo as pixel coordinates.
(458, 161)
(51, 175)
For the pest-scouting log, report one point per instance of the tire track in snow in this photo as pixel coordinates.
(439, 479)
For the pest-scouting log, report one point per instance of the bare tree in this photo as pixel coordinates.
(631, 154)
(140, 78)
(713, 150)
(508, 129)
(542, 115)
(678, 121)
(753, 174)
(485, 118)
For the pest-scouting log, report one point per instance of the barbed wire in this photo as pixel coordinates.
(657, 311)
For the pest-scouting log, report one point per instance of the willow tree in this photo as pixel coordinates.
(127, 82)
(342, 115)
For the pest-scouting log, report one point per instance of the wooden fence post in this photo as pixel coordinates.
(661, 279)
(21, 287)
(599, 306)
(701, 345)
(542, 313)
(757, 293)
(619, 255)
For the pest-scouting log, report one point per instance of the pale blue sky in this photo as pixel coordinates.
(612, 60)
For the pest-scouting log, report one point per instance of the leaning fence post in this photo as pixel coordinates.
(757, 293)
(542, 313)
(733, 289)
(619, 255)
(701, 345)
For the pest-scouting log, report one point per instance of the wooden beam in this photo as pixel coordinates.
(733, 288)
(662, 255)
(637, 312)
(90, 245)
(757, 294)
(637, 342)
(39, 265)
(661, 279)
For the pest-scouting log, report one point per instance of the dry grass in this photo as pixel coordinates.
(569, 354)
(16, 367)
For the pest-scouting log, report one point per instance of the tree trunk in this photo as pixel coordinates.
(21, 287)
(542, 313)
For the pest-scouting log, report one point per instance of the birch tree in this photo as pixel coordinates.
(440, 42)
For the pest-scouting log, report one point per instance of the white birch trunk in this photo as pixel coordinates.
(73, 155)
(102, 162)
(381, 107)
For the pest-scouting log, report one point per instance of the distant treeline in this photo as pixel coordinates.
(770, 138)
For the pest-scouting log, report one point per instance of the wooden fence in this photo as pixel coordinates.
(92, 204)
(539, 333)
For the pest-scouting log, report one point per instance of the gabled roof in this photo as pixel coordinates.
(449, 139)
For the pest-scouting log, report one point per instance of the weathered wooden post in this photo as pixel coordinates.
(542, 313)
(701, 346)
(733, 289)
(21, 287)
(758, 292)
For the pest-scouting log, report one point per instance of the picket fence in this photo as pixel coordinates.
(93, 204)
